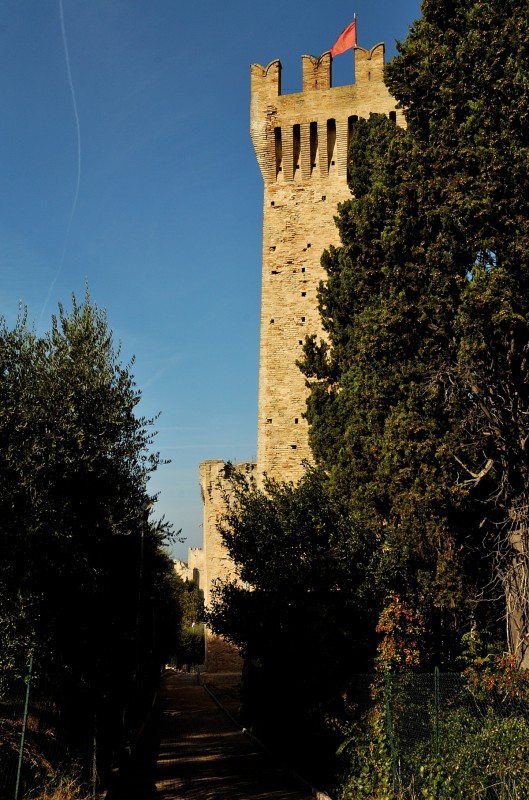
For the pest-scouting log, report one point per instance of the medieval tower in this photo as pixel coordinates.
(301, 143)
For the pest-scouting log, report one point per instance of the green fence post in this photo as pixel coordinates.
(24, 724)
(387, 701)
(436, 688)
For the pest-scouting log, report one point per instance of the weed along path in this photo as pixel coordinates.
(195, 752)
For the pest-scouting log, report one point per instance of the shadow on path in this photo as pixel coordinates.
(192, 751)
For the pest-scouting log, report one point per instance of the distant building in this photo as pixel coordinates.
(193, 569)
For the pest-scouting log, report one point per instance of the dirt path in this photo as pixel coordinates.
(194, 752)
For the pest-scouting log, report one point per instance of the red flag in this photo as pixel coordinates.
(345, 40)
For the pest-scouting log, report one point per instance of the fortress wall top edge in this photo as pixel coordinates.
(301, 136)
(317, 71)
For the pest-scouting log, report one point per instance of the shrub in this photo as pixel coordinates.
(190, 650)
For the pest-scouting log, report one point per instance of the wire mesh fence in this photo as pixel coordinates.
(32, 749)
(447, 737)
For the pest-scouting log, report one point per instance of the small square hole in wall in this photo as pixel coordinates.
(303, 319)
(303, 269)
(272, 248)
(300, 341)
(303, 294)
(294, 446)
(296, 421)
(275, 272)
(308, 244)
(271, 322)
(269, 421)
(332, 163)
(272, 203)
(323, 197)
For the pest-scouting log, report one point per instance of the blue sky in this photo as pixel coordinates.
(126, 163)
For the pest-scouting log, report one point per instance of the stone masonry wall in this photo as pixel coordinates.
(220, 656)
(301, 143)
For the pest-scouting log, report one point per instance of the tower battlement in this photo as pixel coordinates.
(301, 135)
(317, 71)
(266, 80)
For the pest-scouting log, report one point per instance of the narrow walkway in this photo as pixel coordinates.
(202, 755)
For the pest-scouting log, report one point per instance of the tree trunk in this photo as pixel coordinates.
(516, 584)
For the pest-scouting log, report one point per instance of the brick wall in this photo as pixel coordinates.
(301, 143)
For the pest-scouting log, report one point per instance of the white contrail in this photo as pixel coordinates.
(78, 180)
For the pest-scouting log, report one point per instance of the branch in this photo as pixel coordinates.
(476, 476)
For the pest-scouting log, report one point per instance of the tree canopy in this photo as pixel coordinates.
(300, 606)
(470, 139)
(419, 400)
(84, 573)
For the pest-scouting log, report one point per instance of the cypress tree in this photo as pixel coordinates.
(419, 404)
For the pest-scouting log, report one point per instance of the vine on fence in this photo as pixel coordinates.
(441, 736)
(402, 628)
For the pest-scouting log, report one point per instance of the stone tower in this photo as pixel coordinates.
(301, 143)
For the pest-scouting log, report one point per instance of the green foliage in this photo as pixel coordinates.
(191, 600)
(419, 401)
(463, 77)
(190, 650)
(380, 423)
(470, 134)
(84, 573)
(480, 759)
(474, 746)
(368, 773)
(297, 607)
(301, 567)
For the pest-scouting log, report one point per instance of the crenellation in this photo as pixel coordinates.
(266, 79)
(316, 72)
(369, 64)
